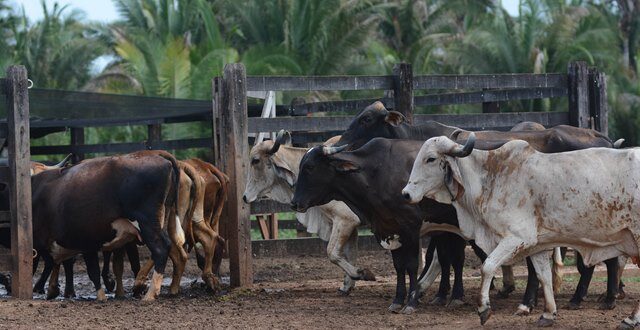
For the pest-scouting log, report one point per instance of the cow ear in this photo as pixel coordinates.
(453, 180)
(395, 118)
(344, 165)
(284, 171)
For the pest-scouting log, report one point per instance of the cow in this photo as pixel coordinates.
(369, 180)
(216, 187)
(516, 202)
(376, 121)
(186, 226)
(273, 173)
(75, 208)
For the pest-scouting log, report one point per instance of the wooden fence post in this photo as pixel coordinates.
(19, 181)
(234, 137)
(598, 107)
(77, 139)
(403, 90)
(578, 94)
(154, 135)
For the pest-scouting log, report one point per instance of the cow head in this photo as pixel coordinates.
(37, 167)
(318, 170)
(435, 173)
(374, 121)
(269, 176)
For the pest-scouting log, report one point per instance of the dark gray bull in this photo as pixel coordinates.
(376, 121)
(362, 180)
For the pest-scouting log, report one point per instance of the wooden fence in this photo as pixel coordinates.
(17, 179)
(585, 88)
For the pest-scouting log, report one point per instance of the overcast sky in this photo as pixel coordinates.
(104, 10)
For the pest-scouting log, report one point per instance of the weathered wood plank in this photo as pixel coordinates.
(233, 135)
(6, 264)
(268, 206)
(337, 123)
(598, 106)
(494, 81)
(305, 246)
(489, 96)
(578, 94)
(113, 148)
(19, 181)
(403, 90)
(338, 106)
(154, 133)
(319, 83)
(77, 140)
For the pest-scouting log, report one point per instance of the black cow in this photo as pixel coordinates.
(376, 121)
(75, 208)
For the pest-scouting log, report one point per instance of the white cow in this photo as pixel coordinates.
(273, 173)
(515, 201)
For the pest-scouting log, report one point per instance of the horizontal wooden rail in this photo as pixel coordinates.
(470, 121)
(319, 83)
(304, 246)
(282, 224)
(495, 81)
(489, 96)
(122, 147)
(267, 206)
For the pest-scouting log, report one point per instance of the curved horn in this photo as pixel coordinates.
(454, 136)
(282, 138)
(327, 151)
(61, 164)
(464, 151)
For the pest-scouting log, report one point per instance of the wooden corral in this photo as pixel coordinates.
(17, 179)
(585, 88)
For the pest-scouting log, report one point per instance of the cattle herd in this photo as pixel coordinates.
(513, 195)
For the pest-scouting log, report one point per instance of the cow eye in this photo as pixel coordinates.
(255, 161)
(430, 159)
(366, 120)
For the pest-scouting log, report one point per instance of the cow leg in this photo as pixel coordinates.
(445, 263)
(540, 262)
(609, 301)
(622, 262)
(401, 290)
(46, 271)
(69, 288)
(140, 283)
(501, 254)
(134, 257)
(429, 274)
(341, 233)
(109, 284)
(483, 256)
(350, 250)
(118, 270)
(5, 280)
(411, 263)
(457, 261)
(586, 273)
(93, 270)
(530, 298)
(218, 255)
(208, 238)
(54, 288)
(178, 269)
(158, 243)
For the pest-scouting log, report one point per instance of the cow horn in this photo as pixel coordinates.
(454, 136)
(282, 138)
(327, 151)
(61, 164)
(465, 150)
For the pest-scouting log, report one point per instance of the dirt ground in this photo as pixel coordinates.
(300, 292)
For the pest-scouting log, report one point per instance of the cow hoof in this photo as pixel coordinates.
(395, 308)
(573, 306)
(366, 275)
(69, 293)
(544, 322)
(109, 283)
(621, 294)
(505, 291)
(455, 303)
(53, 293)
(607, 305)
(438, 301)
(523, 310)
(485, 315)
(408, 310)
(626, 324)
(101, 296)
(138, 290)
(344, 292)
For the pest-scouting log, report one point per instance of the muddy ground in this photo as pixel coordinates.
(300, 292)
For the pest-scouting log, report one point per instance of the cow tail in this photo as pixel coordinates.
(176, 177)
(557, 273)
(196, 190)
(222, 196)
